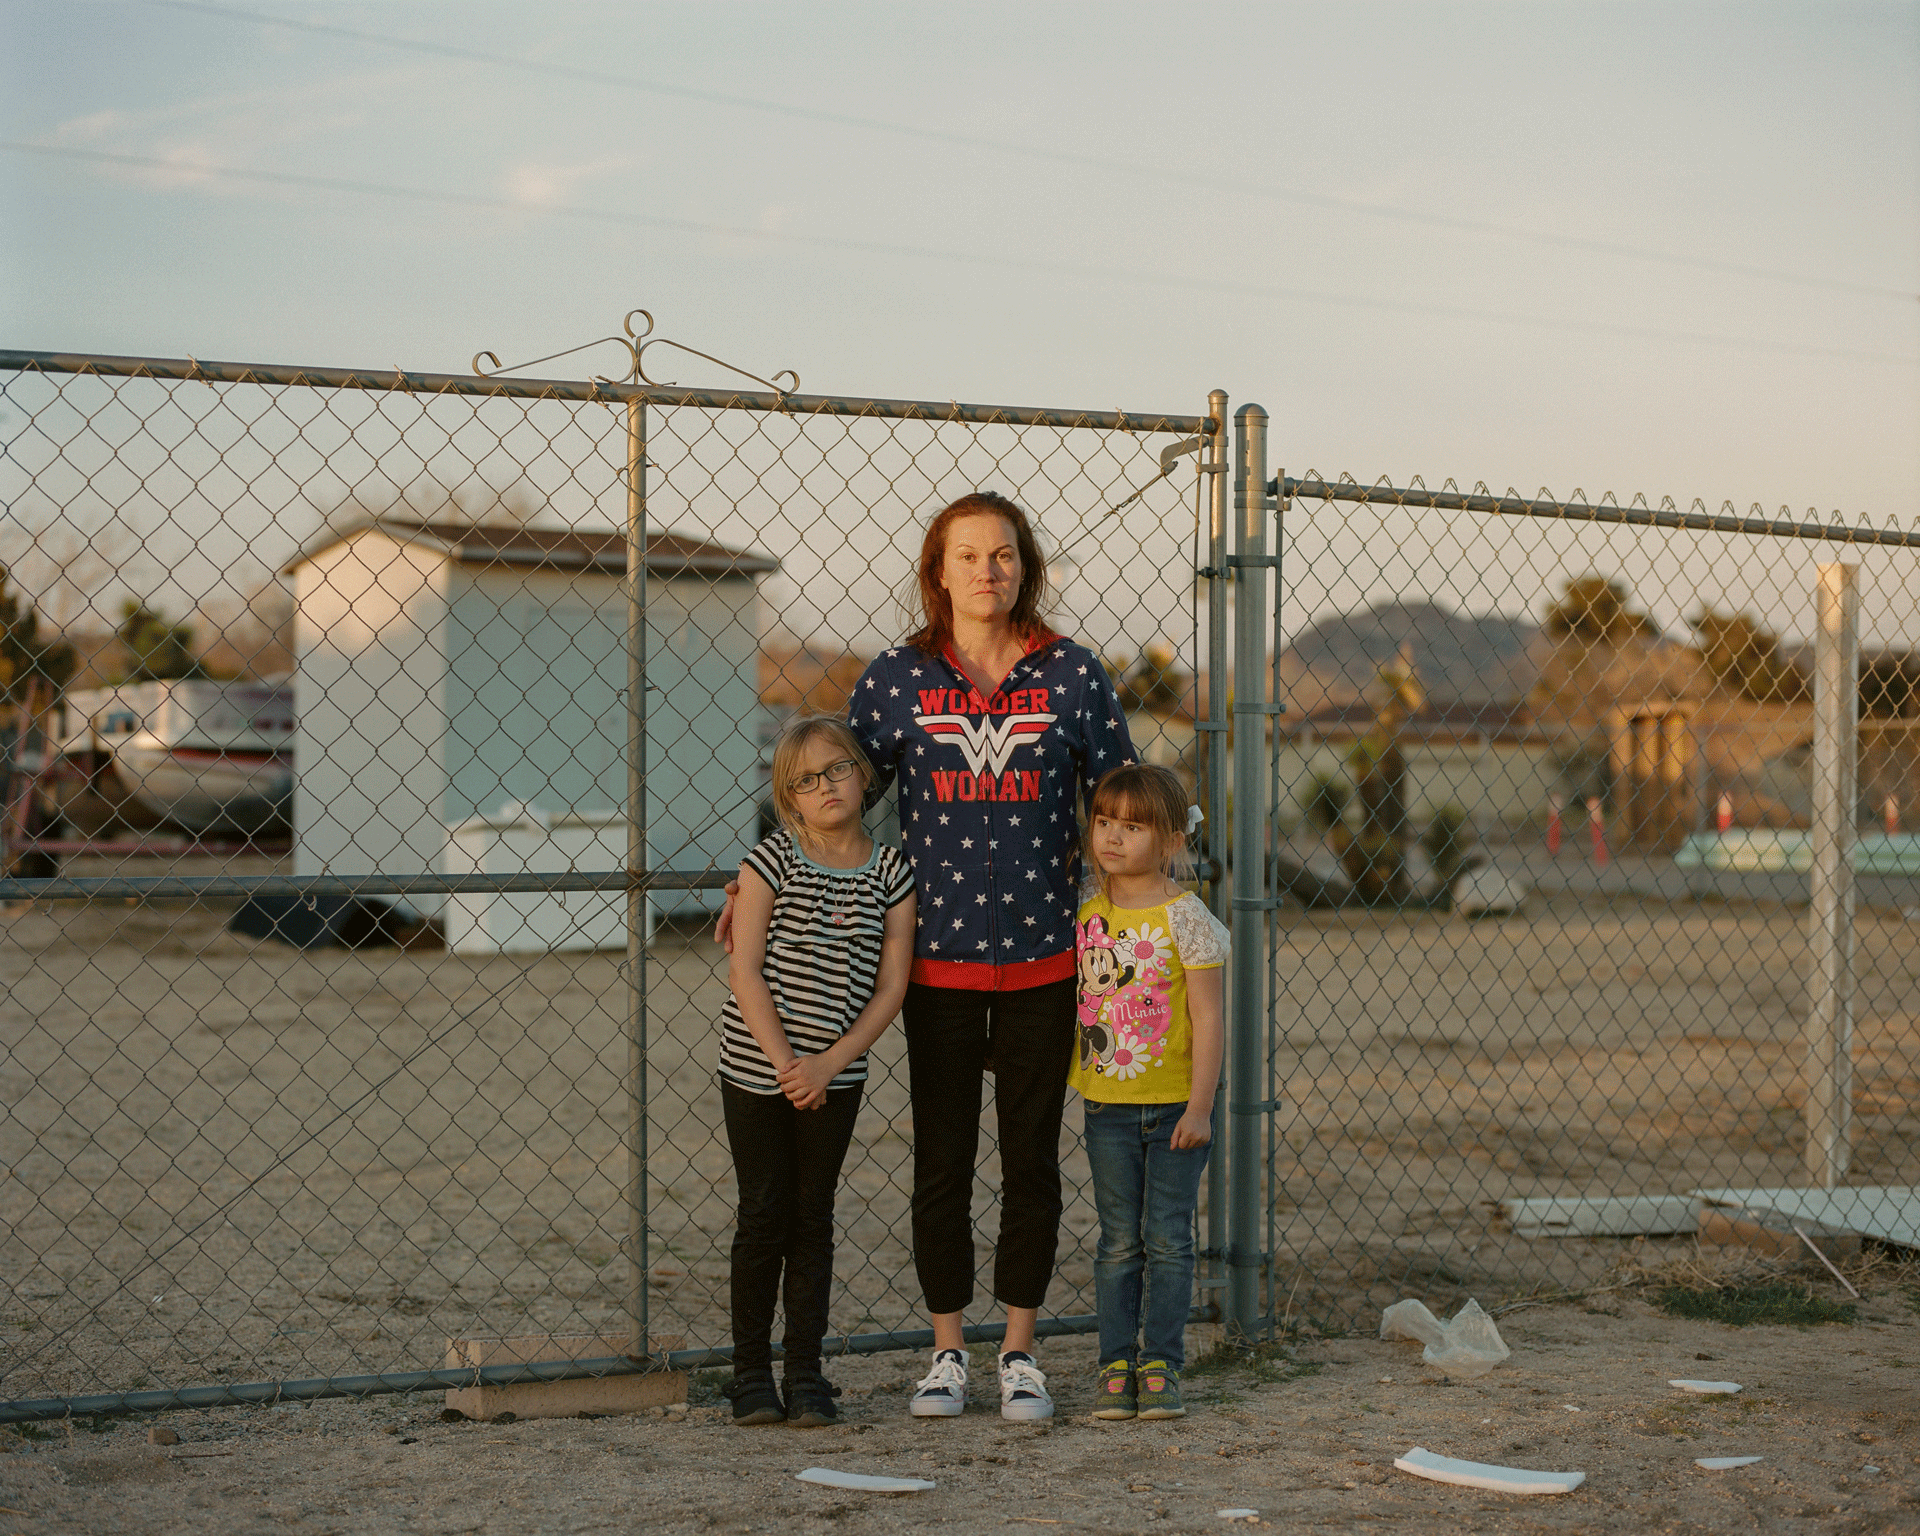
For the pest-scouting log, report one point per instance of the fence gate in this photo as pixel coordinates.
(358, 994)
(1657, 994)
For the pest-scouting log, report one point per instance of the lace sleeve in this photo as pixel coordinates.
(1201, 938)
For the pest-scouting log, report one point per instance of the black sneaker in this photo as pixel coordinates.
(810, 1399)
(755, 1398)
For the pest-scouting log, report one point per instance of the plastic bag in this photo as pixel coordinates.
(1468, 1346)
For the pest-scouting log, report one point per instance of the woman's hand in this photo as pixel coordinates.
(1194, 1130)
(723, 924)
(804, 1081)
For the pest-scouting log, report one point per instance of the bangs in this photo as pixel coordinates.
(1147, 796)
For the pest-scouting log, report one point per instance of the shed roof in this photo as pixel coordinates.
(668, 554)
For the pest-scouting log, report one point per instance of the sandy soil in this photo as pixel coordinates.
(1307, 1441)
(230, 1161)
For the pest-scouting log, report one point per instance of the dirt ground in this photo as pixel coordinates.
(1306, 1438)
(230, 1161)
(227, 1160)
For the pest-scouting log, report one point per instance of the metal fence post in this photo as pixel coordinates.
(1836, 740)
(1245, 1054)
(637, 1258)
(1213, 455)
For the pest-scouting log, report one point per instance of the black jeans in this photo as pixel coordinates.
(951, 1035)
(787, 1164)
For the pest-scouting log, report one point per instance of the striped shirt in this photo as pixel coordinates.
(823, 955)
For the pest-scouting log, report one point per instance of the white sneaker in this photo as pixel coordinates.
(1023, 1387)
(942, 1392)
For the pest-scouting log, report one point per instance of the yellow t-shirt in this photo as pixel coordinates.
(1135, 1036)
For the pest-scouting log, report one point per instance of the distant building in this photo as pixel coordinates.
(443, 670)
(1491, 760)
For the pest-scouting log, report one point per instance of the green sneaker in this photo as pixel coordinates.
(1160, 1391)
(1116, 1393)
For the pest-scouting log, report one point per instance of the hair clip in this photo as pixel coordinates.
(1194, 817)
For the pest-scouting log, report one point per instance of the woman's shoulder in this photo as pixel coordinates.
(893, 658)
(1061, 650)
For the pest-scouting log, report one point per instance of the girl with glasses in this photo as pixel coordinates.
(822, 942)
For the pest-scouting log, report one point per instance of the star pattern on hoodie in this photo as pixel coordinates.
(1005, 866)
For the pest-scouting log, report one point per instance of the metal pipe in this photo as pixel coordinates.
(26, 1410)
(1270, 923)
(583, 389)
(1582, 512)
(1836, 794)
(1214, 741)
(23, 1410)
(1245, 1073)
(193, 887)
(639, 1341)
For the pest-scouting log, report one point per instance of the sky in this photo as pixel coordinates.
(1670, 249)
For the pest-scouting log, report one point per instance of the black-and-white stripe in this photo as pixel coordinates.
(823, 955)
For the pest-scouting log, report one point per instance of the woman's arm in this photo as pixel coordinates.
(872, 695)
(805, 1079)
(1105, 741)
(1204, 992)
(752, 912)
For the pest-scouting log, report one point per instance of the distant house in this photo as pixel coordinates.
(1491, 760)
(443, 670)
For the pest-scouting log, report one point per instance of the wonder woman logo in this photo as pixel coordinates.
(987, 744)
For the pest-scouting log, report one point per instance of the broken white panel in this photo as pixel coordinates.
(1708, 1388)
(1602, 1215)
(863, 1482)
(1725, 1463)
(1480, 1474)
(1889, 1212)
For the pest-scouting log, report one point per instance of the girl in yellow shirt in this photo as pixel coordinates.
(1149, 958)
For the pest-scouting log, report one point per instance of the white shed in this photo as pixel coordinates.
(443, 670)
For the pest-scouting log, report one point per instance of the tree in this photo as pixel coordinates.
(24, 657)
(156, 649)
(1595, 611)
(1746, 659)
(1154, 683)
(1890, 687)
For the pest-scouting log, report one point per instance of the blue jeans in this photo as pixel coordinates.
(1146, 1194)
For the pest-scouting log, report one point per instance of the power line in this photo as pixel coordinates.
(1177, 281)
(1185, 178)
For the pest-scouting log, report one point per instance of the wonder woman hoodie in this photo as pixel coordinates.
(987, 802)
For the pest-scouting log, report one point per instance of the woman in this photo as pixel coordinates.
(989, 720)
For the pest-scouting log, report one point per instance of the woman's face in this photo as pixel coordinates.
(980, 567)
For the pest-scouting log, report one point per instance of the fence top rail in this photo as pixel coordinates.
(401, 381)
(1637, 512)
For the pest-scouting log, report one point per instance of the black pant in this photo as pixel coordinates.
(951, 1035)
(787, 1163)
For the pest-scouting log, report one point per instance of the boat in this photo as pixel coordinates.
(211, 758)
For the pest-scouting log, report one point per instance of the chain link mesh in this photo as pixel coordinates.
(1541, 791)
(321, 1051)
(338, 1070)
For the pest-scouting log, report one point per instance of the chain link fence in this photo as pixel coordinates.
(385, 738)
(374, 767)
(1554, 958)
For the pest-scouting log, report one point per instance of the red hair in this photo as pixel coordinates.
(935, 633)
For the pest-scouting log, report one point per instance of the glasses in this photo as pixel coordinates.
(833, 773)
